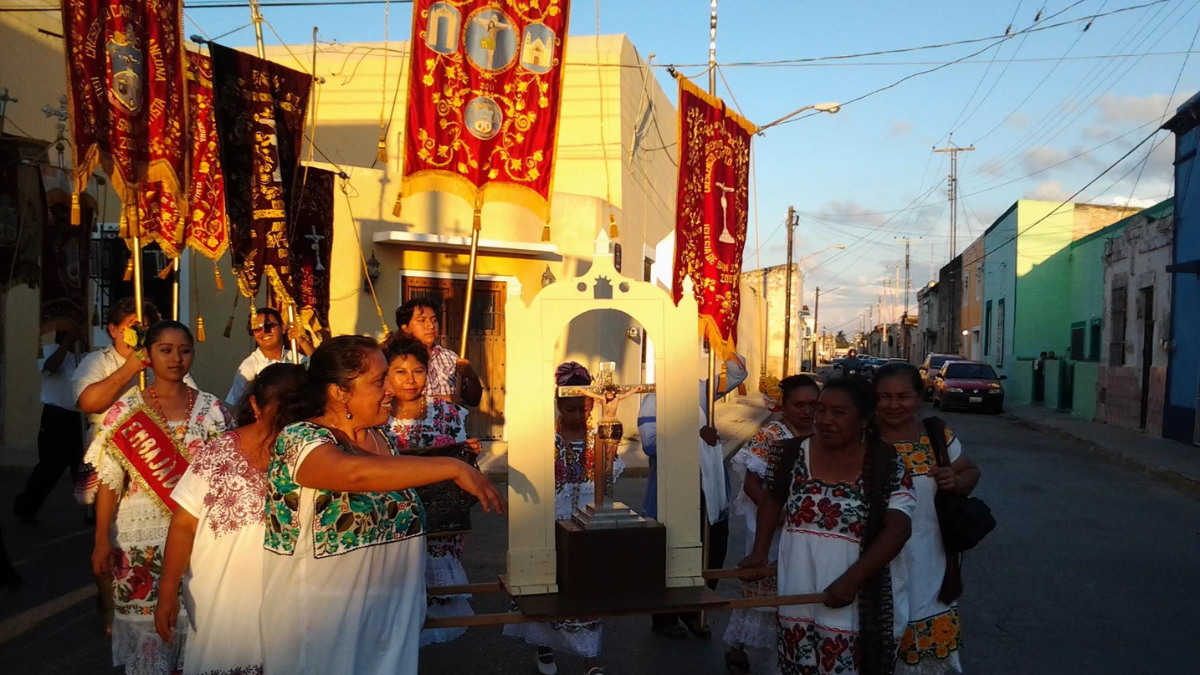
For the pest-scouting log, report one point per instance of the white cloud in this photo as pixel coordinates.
(1018, 121)
(1037, 159)
(1139, 109)
(1050, 191)
(901, 128)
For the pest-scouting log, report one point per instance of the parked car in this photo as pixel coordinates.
(968, 384)
(933, 363)
(871, 365)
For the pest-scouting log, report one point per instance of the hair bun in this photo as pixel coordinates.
(569, 371)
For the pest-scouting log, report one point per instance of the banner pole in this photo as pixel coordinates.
(175, 289)
(291, 317)
(711, 392)
(135, 227)
(256, 18)
(462, 352)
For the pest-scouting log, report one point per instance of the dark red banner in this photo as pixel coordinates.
(484, 92)
(311, 247)
(711, 210)
(64, 296)
(127, 93)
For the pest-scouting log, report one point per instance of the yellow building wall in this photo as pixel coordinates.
(971, 316)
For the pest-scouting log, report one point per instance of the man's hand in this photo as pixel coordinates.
(135, 362)
(464, 369)
(709, 435)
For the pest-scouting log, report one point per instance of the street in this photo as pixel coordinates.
(1091, 570)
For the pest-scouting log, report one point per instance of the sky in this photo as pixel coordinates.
(1047, 111)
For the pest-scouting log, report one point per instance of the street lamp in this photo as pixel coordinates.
(840, 247)
(831, 108)
(817, 319)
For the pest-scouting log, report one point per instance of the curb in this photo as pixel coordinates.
(1172, 479)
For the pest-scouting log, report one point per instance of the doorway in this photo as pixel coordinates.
(485, 344)
(1146, 315)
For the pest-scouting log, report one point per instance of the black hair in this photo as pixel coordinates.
(337, 361)
(400, 345)
(576, 380)
(126, 307)
(861, 396)
(155, 332)
(405, 312)
(901, 370)
(793, 382)
(281, 385)
(269, 311)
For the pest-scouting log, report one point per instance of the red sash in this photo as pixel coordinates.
(151, 455)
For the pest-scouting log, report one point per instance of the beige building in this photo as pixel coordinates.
(423, 252)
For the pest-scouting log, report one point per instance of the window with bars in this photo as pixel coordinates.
(1117, 312)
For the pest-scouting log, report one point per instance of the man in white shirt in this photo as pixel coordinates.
(60, 437)
(266, 327)
(449, 376)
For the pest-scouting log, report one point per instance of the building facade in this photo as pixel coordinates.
(949, 309)
(1181, 421)
(926, 338)
(971, 299)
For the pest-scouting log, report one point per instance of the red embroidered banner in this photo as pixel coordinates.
(150, 455)
(711, 209)
(202, 225)
(484, 92)
(311, 247)
(127, 92)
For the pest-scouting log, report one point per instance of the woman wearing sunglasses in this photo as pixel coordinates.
(266, 327)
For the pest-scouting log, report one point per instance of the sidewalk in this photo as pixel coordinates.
(1174, 464)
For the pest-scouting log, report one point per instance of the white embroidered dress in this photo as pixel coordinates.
(222, 590)
(140, 534)
(755, 628)
(343, 573)
(444, 424)
(822, 529)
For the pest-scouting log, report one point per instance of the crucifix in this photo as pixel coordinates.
(610, 430)
(725, 236)
(5, 99)
(60, 141)
(316, 238)
(493, 25)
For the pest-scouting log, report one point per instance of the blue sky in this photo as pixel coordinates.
(1024, 107)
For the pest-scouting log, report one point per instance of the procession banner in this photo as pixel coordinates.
(202, 224)
(64, 299)
(150, 455)
(22, 210)
(127, 93)
(260, 111)
(484, 93)
(711, 211)
(311, 247)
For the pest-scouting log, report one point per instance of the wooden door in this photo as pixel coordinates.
(485, 344)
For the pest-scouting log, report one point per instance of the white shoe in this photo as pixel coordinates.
(546, 665)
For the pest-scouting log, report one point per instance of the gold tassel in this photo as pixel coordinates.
(129, 270)
(382, 154)
(545, 233)
(200, 336)
(396, 207)
(217, 277)
(613, 232)
(166, 272)
(76, 210)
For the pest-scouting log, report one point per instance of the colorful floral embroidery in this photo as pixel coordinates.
(837, 509)
(239, 670)
(919, 457)
(342, 521)
(444, 424)
(808, 649)
(135, 581)
(237, 490)
(932, 637)
(573, 461)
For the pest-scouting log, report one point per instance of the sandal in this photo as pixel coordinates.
(736, 662)
(595, 670)
(545, 662)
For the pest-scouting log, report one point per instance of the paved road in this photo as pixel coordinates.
(1092, 570)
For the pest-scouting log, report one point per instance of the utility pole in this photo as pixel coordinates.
(905, 338)
(787, 298)
(816, 326)
(5, 99)
(953, 151)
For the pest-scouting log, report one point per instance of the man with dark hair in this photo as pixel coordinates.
(266, 327)
(60, 437)
(450, 377)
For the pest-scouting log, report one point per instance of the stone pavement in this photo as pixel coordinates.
(1171, 463)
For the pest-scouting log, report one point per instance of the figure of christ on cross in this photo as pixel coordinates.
(610, 430)
(494, 25)
(725, 237)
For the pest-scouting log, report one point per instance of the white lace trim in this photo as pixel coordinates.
(931, 666)
(445, 571)
(582, 642)
(753, 628)
(751, 461)
(136, 646)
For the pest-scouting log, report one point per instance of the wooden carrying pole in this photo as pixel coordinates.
(466, 328)
(135, 228)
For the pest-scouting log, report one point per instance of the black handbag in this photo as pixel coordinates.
(964, 521)
(447, 506)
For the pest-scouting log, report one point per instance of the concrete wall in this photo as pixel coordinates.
(1041, 306)
(999, 283)
(1083, 400)
(972, 296)
(1183, 376)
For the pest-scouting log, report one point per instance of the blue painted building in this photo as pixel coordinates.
(1180, 420)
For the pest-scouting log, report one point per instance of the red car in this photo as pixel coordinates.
(968, 384)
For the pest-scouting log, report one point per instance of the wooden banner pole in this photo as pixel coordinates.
(175, 289)
(135, 227)
(462, 345)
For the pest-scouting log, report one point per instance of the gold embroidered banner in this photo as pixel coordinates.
(127, 93)
(711, 210)
(484, 92)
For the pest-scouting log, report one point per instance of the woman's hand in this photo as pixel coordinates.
(166, 613)
(473, 446)
(945, 477)
(753, 561)
(475, 482)
(103, 558)
(841, 592)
